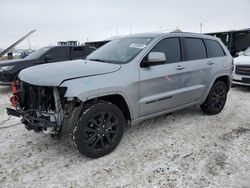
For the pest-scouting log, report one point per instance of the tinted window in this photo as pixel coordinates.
(171, 48)
(59, 53)
(194, 49)
(214, 48)
(79, 52)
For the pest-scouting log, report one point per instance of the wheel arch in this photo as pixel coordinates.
(223, 77)
(117, 99)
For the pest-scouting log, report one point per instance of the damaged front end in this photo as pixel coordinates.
(41, 108)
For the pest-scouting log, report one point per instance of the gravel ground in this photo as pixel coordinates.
(183, 149)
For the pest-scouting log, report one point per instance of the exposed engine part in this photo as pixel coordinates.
(41, 107)
(58, 110)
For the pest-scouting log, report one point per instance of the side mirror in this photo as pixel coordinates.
(47, 57)
(154, 58)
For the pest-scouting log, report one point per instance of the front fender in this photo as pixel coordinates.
(93, 87)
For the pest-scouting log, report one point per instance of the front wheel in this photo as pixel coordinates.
(99, 129)
(216, 99)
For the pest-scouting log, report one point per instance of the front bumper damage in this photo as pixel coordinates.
(41, 108)
(36, 122)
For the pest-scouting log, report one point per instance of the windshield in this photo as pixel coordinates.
(120, 51)
(37, 54)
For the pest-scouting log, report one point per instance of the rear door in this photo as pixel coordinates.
(198, 67)
(217, 56)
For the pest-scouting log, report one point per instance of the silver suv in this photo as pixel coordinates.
(128, 80)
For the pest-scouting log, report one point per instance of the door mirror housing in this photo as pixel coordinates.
(154, 58)
(47, 57)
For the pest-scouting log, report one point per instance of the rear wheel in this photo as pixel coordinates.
(216, 99)
(99, 129)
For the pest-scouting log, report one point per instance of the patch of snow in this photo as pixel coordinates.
(184, 149)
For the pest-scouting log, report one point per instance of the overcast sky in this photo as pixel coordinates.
(90, 20)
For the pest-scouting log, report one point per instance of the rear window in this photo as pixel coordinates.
(194, 49)
(214, 48)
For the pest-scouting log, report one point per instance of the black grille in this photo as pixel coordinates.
(36, 98)
(242, 70)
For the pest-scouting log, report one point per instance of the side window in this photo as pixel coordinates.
(194, 48)
(171, 47)
(214, 48)
(58, 53)
(79, 52)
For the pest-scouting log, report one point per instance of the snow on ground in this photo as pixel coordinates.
(183, 149)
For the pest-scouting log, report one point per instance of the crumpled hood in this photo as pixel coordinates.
(53, 74)
(242, 60)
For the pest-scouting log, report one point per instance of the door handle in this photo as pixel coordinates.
(210, 63)
(179, 67)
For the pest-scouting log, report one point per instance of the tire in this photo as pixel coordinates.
(216, 99)
(99, 129)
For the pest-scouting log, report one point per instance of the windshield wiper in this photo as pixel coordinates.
(100, 60)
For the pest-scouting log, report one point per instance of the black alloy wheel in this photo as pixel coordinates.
(99, 129)
(216, 99)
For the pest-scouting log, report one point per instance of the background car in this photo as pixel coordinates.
(241, 74)
(9, 69)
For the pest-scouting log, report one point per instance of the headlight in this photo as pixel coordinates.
(6, 68)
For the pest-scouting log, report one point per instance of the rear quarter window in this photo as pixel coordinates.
(214, 48)
(194, 48)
